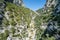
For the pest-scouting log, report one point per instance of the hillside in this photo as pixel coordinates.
(17, 22)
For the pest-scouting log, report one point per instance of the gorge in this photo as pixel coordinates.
(20, 23)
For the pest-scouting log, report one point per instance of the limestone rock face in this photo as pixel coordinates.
(17, 2)
(53, 4)
(50, 3)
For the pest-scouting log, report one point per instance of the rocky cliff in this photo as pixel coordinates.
(49, 13)
(17, 2)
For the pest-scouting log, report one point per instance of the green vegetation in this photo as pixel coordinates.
(1, 0)
(44, 17)
(16, 15)
(3, 36)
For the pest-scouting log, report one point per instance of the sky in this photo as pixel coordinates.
(34, 4)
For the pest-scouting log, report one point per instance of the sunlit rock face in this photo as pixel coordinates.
(50, 3)
(17, 2)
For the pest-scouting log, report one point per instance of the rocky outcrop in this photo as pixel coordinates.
(50, 3)
(54, 4)
(17, 2)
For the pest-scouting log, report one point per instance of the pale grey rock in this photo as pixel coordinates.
(17, 2)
